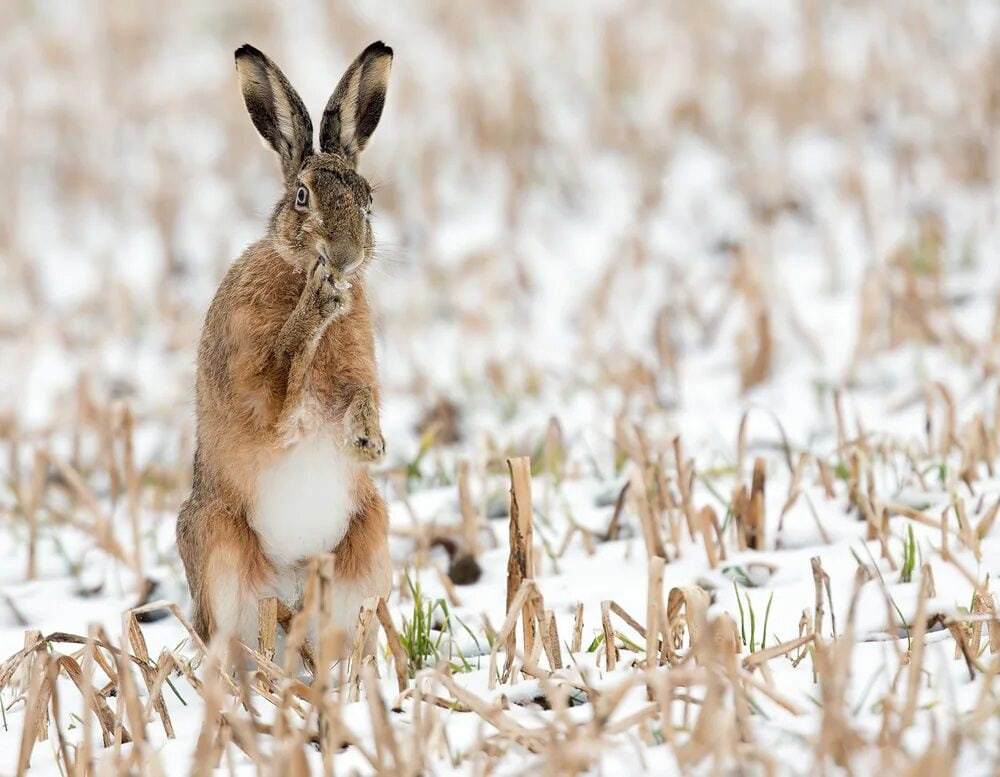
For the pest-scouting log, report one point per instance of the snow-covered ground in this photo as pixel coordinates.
(766, 230)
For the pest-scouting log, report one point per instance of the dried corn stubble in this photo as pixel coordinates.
(908, 297)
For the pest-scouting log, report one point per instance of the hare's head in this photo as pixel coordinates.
(324, 210)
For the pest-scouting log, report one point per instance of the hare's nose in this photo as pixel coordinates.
(342, 254)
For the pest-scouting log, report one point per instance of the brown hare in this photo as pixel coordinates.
(287, 390)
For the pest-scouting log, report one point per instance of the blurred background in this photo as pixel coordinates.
(652, 210)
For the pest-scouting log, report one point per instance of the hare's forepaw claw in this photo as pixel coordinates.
(368, 448)
(364, 437)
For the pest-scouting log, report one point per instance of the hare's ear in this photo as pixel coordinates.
(354, 108)
(275, 109)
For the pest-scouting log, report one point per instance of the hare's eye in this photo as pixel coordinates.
(302, 196)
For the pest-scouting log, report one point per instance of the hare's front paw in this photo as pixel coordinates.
(364, 437)
(368, 448)
(330, 295)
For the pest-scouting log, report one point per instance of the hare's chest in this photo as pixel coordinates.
(304, 500)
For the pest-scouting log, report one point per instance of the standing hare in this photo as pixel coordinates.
(287, 392)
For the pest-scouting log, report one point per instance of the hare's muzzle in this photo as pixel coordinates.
(344, 258)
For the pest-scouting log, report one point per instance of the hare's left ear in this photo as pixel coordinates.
(275, 109)
(354, 108)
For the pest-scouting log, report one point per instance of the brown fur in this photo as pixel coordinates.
(287, 347)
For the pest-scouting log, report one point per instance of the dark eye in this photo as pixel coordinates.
(302, 197)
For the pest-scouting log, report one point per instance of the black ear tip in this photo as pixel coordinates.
(246, 50)
(378, 48)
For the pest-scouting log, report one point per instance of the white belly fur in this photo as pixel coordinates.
(304, 500)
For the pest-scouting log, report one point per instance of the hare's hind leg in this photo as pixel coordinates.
(191, 530)
(226, 570)
(349, 595)
(362, 567)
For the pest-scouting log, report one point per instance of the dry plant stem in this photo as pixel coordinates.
(772, 693)
(650, 527)
(666, 504)
(130, 627)
(740, 506)
(72, 670)
(520, 562)
(741, 445)
(821, 579)
(32, 507)
(267, 626)
(707, 522)
(986, 522)
(610, 648)
(946, 555)
(559, 679)
(618, 610)
(130, 706)
(330, 647)
(52, 680)
(84, 684)
(298, 627)
(685, 473)
(399, 658)
(687, 608)
(913, 515)
(763, 656)
(423, 698)
(962, 647)
(916, 652)
(655, 612)
(965, 531)
(755, 509)
(449, 588)
(826, 478)
(839, 415)
(203, 760)
(793, 488)
(550, 638)
(121, 699)
(612, 531)
(577, 644)
(164, 666)
(537, 603)
(385, 738)
(366, 622)
(35, 713)
(132, 490)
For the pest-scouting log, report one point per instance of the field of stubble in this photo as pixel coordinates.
(703, 294)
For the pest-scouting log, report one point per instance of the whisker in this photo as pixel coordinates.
(375, 267)
(394, 254)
